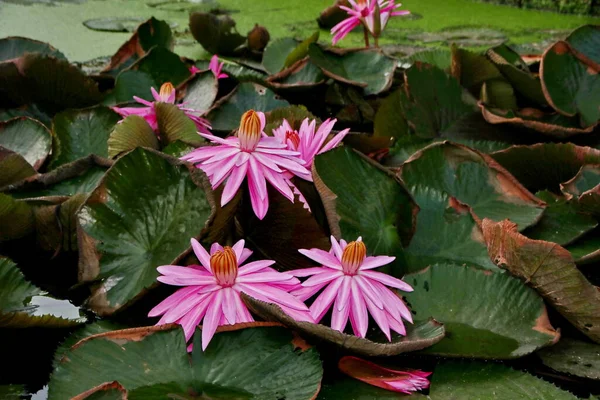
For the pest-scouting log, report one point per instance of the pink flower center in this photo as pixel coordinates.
(166, 90)
(249, 132)
(363, 7)
(353, 256)
(224, 266)
(294, 139)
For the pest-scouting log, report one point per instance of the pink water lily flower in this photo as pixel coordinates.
(166, 95)
(217, 67)
(372, 14)
(194, 70)
(309, 141)
(250, 155)
(353, 288)
(403, 381)
(211, 291)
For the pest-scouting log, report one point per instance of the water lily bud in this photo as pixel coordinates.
(258, 38)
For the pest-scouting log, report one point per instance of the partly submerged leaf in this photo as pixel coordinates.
(494, 317)
(201, 91)
(79, 133)
(244, 361)
(174, 125)
(13, 167)
(129, 134)
(361, 198)
(217, 34)
(573, 357)
(301, 50)
(125, 237)
(163, 66)
(276, 54)
(16, 218)
(14, 47)
(550, 270)
(419, 336)
(27, 137)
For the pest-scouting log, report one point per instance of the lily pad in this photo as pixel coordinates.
(301, 75)
(131, 83)
(217, 34)
(201, 91)
(174, 125)
(369, 69)
(550, 270)
(15, 46)
(27, 137)
(23, 305)
(163, 66)
(301, 51)
(247, 361)
(276, 53)
(419, 336)
(13, 167)
(16, 218)
(475, 180)
(113, 24)
(226, 113)
(361, 198)
(508, 319)
(570, 76)
(440, 58)
(586, 250)
(124, 238)
(129, 134)
(573, 357)
(79, 133)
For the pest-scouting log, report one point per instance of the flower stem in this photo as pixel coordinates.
(376, 41)
(366, 36)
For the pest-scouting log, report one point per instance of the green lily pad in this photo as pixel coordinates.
(463, 380)
(23, 305)
(129, 134)
(152, 33)
(16, 218)
(124, 237)
(446, 231)
(131, 83)
(79, 133)
(276, 54)
(113, 24)
(370, 69)
(418, 336)
(13, 167)
(389, 120)
(440, 58)
(302, 75)
(508, 319)
(498, 93)
(201, 91)
(249, 361)
(563, 221)
(226, 113)
(174, 125)
(361, 198)
(475, 180)
(178, 149)
(14, 47)
(27, 137)
(301, 51)
(573, 357)
(217, 34)
(570, 77)
(473, 69)
(586, 250)
(550, 270)
(546, 165)
(12, 392)
(163, 66)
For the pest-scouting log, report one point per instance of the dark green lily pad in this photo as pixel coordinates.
(163, 66)
(361, 198)
(276, 53)
(113, 24)
(217, 34)
(27, 137)
(131, 83)
(507, 319)
(15, 46)
(129, 134)
(249, 361)
(79, 133)
(201, 91)
(573, 357)
(125, 236)
(174, 125)
(13, 167)
(16, 218)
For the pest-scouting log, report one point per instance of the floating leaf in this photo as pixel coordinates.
(370, 69)
(174, 125)
(301, 75)
(472, 69)
(13, 167)
(113, 24)
(217, 34)
(389, 120)
(15, 47)
(129, 134)
(440, 58)
(276, 54)
(23, 305)
(475, 180)
(226, 113)
(79, 133)
(550, 270)
(498, 93)
(573, 357)
(546, 165)
(570, 77)
(16, 218)
(587, 249)
(152, 33)
(27, 137)
(244, 361)
(419, 336)
(131, 83)
(124, 237)
(497, 317)
(163, 66)
(361, 198)
(301, 50)
(201, 91)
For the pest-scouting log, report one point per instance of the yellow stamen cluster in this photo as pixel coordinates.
(249, 132)
(224, 266)
(166, 89)
(353, 256)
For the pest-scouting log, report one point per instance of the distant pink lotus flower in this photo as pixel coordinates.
(251, 154)
(403, 381)
(372, 14)
(354, 290)
(166, 95)
(308, 142)
(212, 290)
(216, 68)
(194, 70)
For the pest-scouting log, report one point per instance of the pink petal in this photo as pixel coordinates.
(172, 301)
(229, 305)
(325, 276)
(379, 316)
(255, 266)
(260, 206)
(258, 178)
(322, 303)
(279, 183)
(179, 312)
(387, 280)
(368, 291)
(322, 257)
(238, 247)
(339, 316)
(233, 183)
(337, 250)
(191, 320)
(305, 293)
(245, 254)
(215, 247)
(304, 272)
(263, 277)
(263, 291)
(337, 139)
(375, 262)
(359, 318)
(344, 294)
(211, 320)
